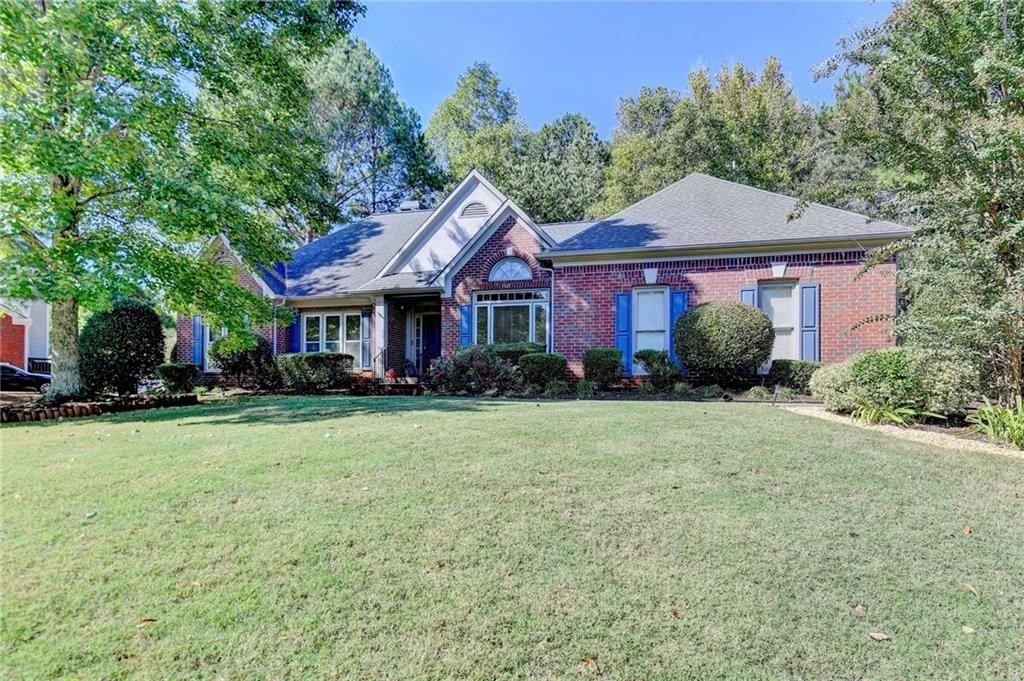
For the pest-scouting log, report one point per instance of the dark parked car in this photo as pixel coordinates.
(13, 378)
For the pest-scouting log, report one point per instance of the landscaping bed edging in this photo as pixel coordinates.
(74, 409)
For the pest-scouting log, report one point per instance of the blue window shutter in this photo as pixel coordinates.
(677, 306)
(465, 325)
(365, 336)
(295, 335)
(197, 340)
(624, 329)
(810, 322)
(748, 295)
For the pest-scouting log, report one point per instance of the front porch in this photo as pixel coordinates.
(408, 337)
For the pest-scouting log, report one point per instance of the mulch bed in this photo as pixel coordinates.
(39, 412)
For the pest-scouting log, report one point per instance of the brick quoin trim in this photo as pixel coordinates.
(584, 296)
(474, 273)
(12, 341)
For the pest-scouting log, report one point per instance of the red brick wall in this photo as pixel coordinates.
(584, 310)
(473, 275)
(12, 341)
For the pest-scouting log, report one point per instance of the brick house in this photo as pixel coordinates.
(25, 335)
(400, 289)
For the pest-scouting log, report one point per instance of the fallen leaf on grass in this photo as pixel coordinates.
(859, 609)
(675, 614)
(440, 563)
(968, 630)
(236, 502)
(966, 530)
(878, 636)
(591, 663)
(145, 622)
(966, 586)
(194, 584)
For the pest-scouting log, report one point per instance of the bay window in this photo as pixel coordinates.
(337, 332)
(510, 317)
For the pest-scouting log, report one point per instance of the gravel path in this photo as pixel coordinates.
(925, 437)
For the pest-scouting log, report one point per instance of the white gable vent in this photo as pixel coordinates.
(474, 209)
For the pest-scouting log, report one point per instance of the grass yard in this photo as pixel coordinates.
(432, 538)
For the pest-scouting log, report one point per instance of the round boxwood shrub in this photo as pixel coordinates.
(179, 377)
(246, 356)
(311, 373)
(723, 338)
(540, 368)
(949, 380)
(603, 366)
(833, 385)
(120, 346)
(884, 377)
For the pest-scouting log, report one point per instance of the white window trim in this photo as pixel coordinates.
(544, 302)
(357, 360)
(794, 336)
(635, 326)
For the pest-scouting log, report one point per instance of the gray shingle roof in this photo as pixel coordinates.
(701, 210)
(400, 281)
(350, 257)
(560, 231)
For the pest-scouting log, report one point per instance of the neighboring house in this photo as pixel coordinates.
(25, 335)
(413, 285)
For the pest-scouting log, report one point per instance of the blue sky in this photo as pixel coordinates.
(574, 56)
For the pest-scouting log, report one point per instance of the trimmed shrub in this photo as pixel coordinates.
(603, 366)
(949, 380)
(542, 367)
(883, 377)
(511, 352)
(833, 385)
(557, 388)
(712, 391)
(312, 373)
(760, 392)
(179, 377)
(792, 373)
(121, 346)
(723, 338)
(647, 389)
(586, 389)
(244, 355)
(474, 370)
(662, 372)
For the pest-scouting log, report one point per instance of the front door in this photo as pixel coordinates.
(430, 340)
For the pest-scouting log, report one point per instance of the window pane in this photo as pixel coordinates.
(784, 348)
(650, 340)
(511, 269)
(511, 324)
(650, 310)
(777, 302)
(352, 324)
(352, 348)
(540, 324)
(481, 324)
(312, 334)
(332, 328)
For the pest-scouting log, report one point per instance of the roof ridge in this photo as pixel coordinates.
(563, 222)
(651, 196)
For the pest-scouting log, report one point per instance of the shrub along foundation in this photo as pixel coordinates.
(73, 409)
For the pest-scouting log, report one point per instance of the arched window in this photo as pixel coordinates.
(511, 269)
(474, 209)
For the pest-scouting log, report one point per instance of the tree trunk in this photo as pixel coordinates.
(66, 380)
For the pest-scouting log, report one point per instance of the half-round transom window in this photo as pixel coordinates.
(511, 269)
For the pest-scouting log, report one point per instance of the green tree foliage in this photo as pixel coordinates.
(560, 170)
(740, 126)
(555, 173)
(121, 346)
(377, 153)
(946, 82)
(477, 127)
(133, 132)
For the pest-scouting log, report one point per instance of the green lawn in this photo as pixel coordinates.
(431, 538)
